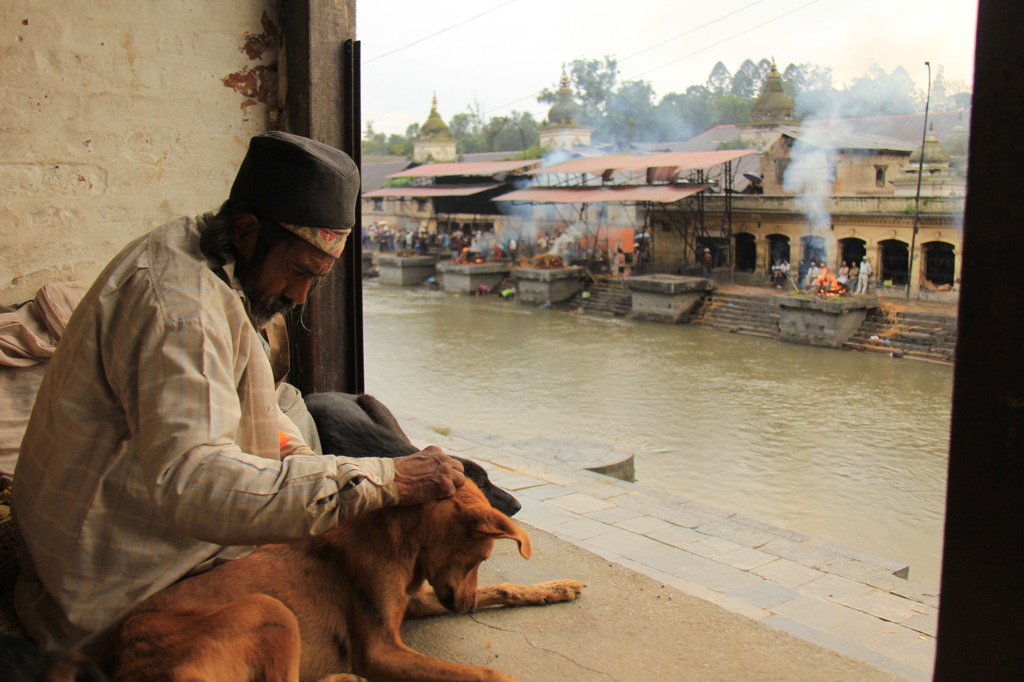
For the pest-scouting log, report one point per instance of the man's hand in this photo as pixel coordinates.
(427, 475)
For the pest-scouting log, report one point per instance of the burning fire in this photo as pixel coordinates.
(548, 260)
(827, 285)
(469, 257)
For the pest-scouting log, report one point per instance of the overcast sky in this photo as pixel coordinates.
(498, 54)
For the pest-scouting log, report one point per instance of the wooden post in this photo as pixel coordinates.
(320, 83)
(980, 619)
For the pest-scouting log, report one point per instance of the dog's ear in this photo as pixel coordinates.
(493, 523)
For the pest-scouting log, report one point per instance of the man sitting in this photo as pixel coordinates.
(156, 447)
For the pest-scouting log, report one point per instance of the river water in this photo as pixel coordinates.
(846, 447)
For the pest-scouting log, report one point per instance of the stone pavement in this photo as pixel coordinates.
(834, 597)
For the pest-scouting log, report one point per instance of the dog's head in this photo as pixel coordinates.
(499, 499)
(460, 536)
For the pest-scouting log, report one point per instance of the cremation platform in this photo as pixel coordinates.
(466, 278)
(406, 270)
(818, 321)
(666, 298)
(547, 285)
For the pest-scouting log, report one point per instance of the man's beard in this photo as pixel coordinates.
(261, 312)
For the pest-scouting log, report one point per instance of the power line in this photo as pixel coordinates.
(686, 56)
(437, 33)
(725, 40)
(692, 30)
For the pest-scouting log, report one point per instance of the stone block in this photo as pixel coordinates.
(817, 321)
(665, 298)
(538, 286)
(582, 529)
(614, 515)
(745, 558)
(835, 588)
(406, 270)
(677, 536)
(786, 572)
(466, 278)
(579, 503)
(643, 524)
(764, 594)
(890, 607)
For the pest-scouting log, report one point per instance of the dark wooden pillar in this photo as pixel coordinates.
(981, 616)
(320, 84)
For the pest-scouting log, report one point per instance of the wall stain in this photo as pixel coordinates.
(258, 83)
(254, 84)
(256, 45)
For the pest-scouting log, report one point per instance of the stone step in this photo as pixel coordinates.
(606, 299)
(924, 336)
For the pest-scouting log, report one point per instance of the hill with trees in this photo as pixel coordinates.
(628, 111)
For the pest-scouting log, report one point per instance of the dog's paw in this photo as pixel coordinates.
(560, 590)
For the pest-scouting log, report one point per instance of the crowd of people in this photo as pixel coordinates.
(487, 245)
(818, 278)
(814, 276)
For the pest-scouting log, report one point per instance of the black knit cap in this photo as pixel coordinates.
(298, 181)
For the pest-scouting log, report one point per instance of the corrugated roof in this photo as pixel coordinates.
(591, 195)
(839, 138)
(429, 191)
(906, 127)
(617, 164)
(433, 170)
(374, 175)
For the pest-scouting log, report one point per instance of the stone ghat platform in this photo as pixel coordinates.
(843, 600)
(466, 278)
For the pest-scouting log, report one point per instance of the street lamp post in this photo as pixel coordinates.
(920, 175)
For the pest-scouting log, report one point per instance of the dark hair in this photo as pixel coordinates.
(216, 243)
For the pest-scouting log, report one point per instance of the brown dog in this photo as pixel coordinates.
(330, 604)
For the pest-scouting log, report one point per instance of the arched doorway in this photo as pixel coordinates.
(851, 250)
(895, 261)
(778, 247)
(939, 263)
(746, 252)
(814, 250)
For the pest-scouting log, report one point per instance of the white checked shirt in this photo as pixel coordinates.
(153, 447)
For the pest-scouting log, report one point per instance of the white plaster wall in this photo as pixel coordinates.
(437, 151)
(116, 116)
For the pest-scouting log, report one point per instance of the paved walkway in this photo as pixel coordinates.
(835, 597)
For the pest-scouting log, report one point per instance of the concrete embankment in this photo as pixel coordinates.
(675, 590)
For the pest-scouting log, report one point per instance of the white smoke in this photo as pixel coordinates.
(810, 176)
(813, 158)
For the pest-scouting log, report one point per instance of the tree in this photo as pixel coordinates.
(749, 78)
(468, 128)
(593, 82)
(810, 87)
(399, 145)
(373, 143)
(681, 116)
(878, 93)
(719, 80)
(463, 125)
(802, 77)
(729, 110)
(510, 133)
(631, 115)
